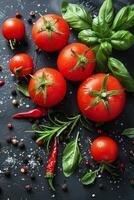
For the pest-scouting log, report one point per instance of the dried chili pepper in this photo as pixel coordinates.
(35, 113)
(49, 170)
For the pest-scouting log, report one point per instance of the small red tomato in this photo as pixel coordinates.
(47, 87)
(21, 64)
(51, 32)
(76, 62)
(104, 149)
(101, 97)
(13, 29)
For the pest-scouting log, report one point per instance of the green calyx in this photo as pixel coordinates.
(18, 70)
(103, 95)
(49, 27)
(42, 85)
(81, 60)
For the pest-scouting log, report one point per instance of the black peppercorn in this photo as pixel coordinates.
(7, 173)
(18, 15)
(25, 161)
(39, 159)
(14, 142)
(101, 186)
(9, 125)
(13, 93)
(21, 145)
(32, 176)
(64, 187)
(34, 137)
(32, 14)
(30, 21)
(8, 139)
(15, 102)
(28, 188)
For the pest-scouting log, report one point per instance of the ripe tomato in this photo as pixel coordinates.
(104, 149)
(101, 97)
(76, 62)
(51, 32)
(21, 64)
(13, 29)
(47, 87)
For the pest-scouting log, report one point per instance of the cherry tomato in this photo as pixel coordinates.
(47, 87)
(104, 149)
(13, 30)
(76, 62)
(101, 97)
(50, 32)
(21, 64)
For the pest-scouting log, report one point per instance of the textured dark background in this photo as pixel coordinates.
(13, 188)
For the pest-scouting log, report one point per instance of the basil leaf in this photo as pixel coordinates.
(95, 48)
(77, 17)
(102, 54)
(120, 72)
(106, 12)
(88, 178)
(124, 18)
(88, 37)
(23, 88)
(129, 132)
(101, 27)
(71, 157)
(122, 40)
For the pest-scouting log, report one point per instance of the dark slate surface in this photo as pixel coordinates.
(13, 188)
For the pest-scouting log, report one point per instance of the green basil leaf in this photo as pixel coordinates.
(71, 157)
(88, 178)
(77, 17)
(88, 37)
(128, 132)
(120, 72)
(124, 18)
(122, 40)
(102, 55)
(106, 11)
(95, 48)
(101, 28)
(23, 88)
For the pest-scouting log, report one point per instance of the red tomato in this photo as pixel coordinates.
(51, 32)
(76, 62)
(104, 149)
(101, 97)
(13, 28)
(47, 87)
(21, 64)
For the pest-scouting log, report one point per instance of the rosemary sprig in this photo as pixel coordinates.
(56, 128)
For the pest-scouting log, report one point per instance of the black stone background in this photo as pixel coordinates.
(13, 188)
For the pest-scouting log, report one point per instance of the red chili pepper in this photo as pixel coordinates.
(50, 169)
(35, 113)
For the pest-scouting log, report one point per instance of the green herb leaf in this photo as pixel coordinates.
(101, 28)
(89, 178)
(102, 55)
(106, 11)
(23, 88)
(88, 37)
(77, 17)
(120, 72)
(71, 157)
(124, 18)
(122, 40)
(129, 132)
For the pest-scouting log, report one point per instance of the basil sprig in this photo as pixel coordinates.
(128, 133)
(124, 18)
(71, 157)
(88, 37)
(106, 12)
(77, 17)
(120, 72)
(122, 40)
